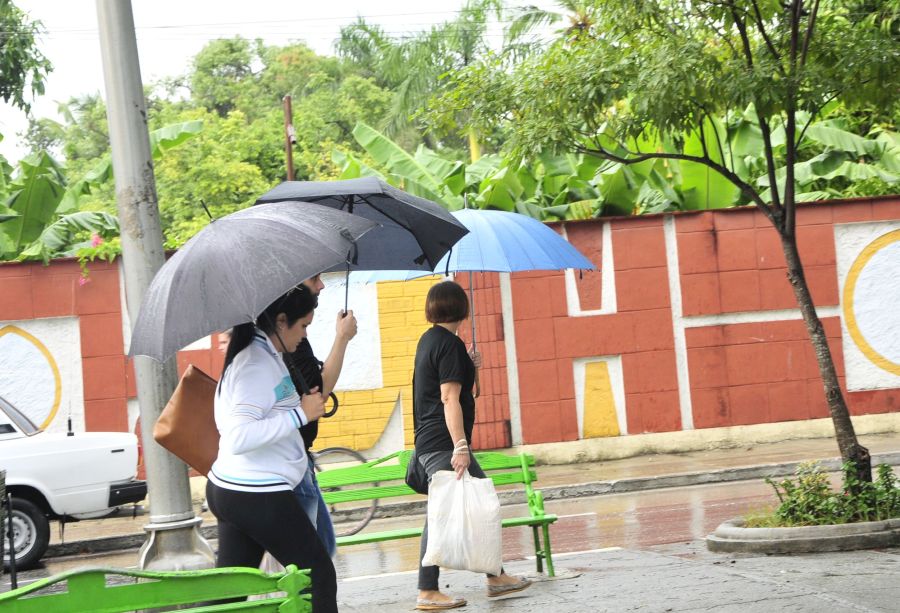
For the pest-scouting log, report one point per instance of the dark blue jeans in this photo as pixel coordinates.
(310, 497)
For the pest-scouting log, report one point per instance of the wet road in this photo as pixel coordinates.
(631, 521)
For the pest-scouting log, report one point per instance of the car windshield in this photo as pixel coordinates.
(18, 418)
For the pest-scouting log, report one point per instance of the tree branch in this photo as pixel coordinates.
(760, 26)
(790, 129)
(770, 159)
(810, 29)
(745, 38)
(812, 116)
(748, 190)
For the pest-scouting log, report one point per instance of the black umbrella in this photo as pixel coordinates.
(413, 233)
(231, 270)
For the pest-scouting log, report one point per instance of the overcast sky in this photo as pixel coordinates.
(171, 32)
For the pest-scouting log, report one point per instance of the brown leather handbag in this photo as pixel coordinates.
(187, 426)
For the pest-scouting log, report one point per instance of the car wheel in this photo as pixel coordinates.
(31, 534)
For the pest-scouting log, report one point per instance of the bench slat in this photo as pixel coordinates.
(390, 535)
(87, 590)
(401, 489)
(361, 475)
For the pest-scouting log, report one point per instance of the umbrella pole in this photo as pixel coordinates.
(347, 290)
(472, 317)
(471, 308)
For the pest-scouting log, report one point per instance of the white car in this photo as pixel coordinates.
(61, 476)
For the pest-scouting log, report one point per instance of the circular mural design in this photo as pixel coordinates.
(871, 296)
(29, 374)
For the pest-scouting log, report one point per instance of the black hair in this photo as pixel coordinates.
(297, 303)
(446, 303)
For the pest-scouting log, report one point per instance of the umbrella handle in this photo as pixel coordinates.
(334, 407)
(346, 292)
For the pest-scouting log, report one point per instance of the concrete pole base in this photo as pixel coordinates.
(176, 545)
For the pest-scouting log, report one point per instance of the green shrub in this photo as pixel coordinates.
(809, 500)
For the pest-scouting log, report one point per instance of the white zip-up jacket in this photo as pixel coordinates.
(257, 411)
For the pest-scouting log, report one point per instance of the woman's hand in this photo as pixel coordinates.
(313, 404)
(345, 326)
(476, 357)
(460, 462)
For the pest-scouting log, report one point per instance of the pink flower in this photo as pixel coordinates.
(83, 281)
(96, 241)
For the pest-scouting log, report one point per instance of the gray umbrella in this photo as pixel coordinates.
(413, 234)
(231, 270)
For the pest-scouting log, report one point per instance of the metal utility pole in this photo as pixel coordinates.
(173, 537)
(290, 138)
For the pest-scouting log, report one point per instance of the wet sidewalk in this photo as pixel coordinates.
(667, 579)
(654, 471)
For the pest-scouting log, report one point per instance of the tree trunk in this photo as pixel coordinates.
(851, 450)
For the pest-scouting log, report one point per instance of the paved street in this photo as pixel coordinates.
(630, 551)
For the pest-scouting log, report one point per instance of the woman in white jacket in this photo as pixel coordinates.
(261, 454)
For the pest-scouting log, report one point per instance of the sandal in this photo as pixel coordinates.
(502, 590)
(423, 604)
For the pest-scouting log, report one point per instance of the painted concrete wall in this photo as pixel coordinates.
(689, 323)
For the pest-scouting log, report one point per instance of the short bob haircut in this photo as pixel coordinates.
(446, 303)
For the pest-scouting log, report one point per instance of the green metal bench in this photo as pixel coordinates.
(384, 478)
(92, 591)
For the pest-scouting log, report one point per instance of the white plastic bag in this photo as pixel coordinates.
(463, 524)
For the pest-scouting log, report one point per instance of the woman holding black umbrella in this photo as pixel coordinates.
(444, 416)
(261, 457)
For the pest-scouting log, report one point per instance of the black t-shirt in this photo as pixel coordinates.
(441, 357)
(311, 368)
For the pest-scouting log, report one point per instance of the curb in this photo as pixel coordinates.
(555, 492)
(732, 537)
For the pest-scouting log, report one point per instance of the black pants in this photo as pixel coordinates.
(252, 523)
(429, 576)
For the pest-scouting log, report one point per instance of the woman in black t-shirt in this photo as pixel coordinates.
(444, 415)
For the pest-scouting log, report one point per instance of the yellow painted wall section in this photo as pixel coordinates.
(364, 414)
(599, 404)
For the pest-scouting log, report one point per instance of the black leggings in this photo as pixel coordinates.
(251, 523)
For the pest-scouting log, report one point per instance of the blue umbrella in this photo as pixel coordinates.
(509, 242)
(497, 242)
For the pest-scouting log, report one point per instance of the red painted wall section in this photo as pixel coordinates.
(730, 262)
(492, 429)
(589, 242)
(548, 339)
(32, 290)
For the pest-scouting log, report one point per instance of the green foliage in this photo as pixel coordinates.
(69, 234)
(98, 249)
(34, 195)
(550, 187)
(46, 217)
(810, 500)
(413, 67)
(223, 74)
(22, 65)
(684, 82)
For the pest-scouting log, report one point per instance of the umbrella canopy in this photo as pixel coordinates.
(509, 242)
(413, 233)
(497, 242)
(231, 270)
